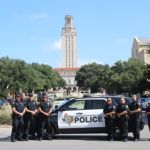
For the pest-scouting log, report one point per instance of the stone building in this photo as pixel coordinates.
(141, 49)
(69, 53)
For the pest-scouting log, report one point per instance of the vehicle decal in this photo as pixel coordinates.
(68, 119)
(81, 119)
(88, 118)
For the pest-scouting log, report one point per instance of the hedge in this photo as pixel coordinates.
(5, 114)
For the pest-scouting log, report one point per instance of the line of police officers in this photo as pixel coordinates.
(119, 115)
(28, 117)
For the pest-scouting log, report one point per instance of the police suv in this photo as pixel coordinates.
(83, 115)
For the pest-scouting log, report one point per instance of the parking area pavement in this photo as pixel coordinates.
(75, 142)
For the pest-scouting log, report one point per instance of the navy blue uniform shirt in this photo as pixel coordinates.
(135, 105)
(19, 106)
(45, 106)
(30, 105)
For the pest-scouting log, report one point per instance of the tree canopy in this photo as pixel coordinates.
(16, 74)
(123, 77)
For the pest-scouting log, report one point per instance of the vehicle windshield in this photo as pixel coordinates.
(147, 99)
(116, 99)
(62, 102)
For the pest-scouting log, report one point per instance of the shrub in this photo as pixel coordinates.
(5, 114)
(3, 93)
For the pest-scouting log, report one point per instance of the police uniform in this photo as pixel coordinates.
(148, 116)
(17, 121)
(123, 121)
(135, 119)
(23, 100)
(30, 119)
(110, 120)
(44, 121)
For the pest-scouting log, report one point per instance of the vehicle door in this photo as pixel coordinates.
(95, 113)
(67, 114)
(85, 114)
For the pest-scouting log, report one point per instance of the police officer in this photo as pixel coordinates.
(135, 116)
(122, 117)
(18, 111)
(45, 110)
(109, 112)
(148, 114)
(23, 100)
(23, 97)
(30, 112)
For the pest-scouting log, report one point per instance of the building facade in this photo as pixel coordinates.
(68, 74)
(141, 49)
(69, 53)
(69, 44)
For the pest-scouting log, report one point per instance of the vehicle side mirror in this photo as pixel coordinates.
(56, 106)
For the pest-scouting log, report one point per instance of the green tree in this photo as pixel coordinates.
(122, 77)
(16, 74)
(128, 76)
(92, 76)
(145, 83)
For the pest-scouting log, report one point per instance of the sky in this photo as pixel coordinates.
(30, 30)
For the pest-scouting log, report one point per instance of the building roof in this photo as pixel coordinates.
(66, 69)
(143, 41)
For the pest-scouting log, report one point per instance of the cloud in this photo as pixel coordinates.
(82, 62)
(38, 16)
(57, 44)
(33, 17)
(52, 46)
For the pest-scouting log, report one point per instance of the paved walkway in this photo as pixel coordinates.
(5, 126)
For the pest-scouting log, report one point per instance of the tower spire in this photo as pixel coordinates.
(68, 21)
(69, 44)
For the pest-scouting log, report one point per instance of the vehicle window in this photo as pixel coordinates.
(76, 105)
(1, 103)
(116, 100)
(147, 100)
(143, 99)
(128, 101)
(97, 104)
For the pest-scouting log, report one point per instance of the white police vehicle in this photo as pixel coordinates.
(83, 115)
